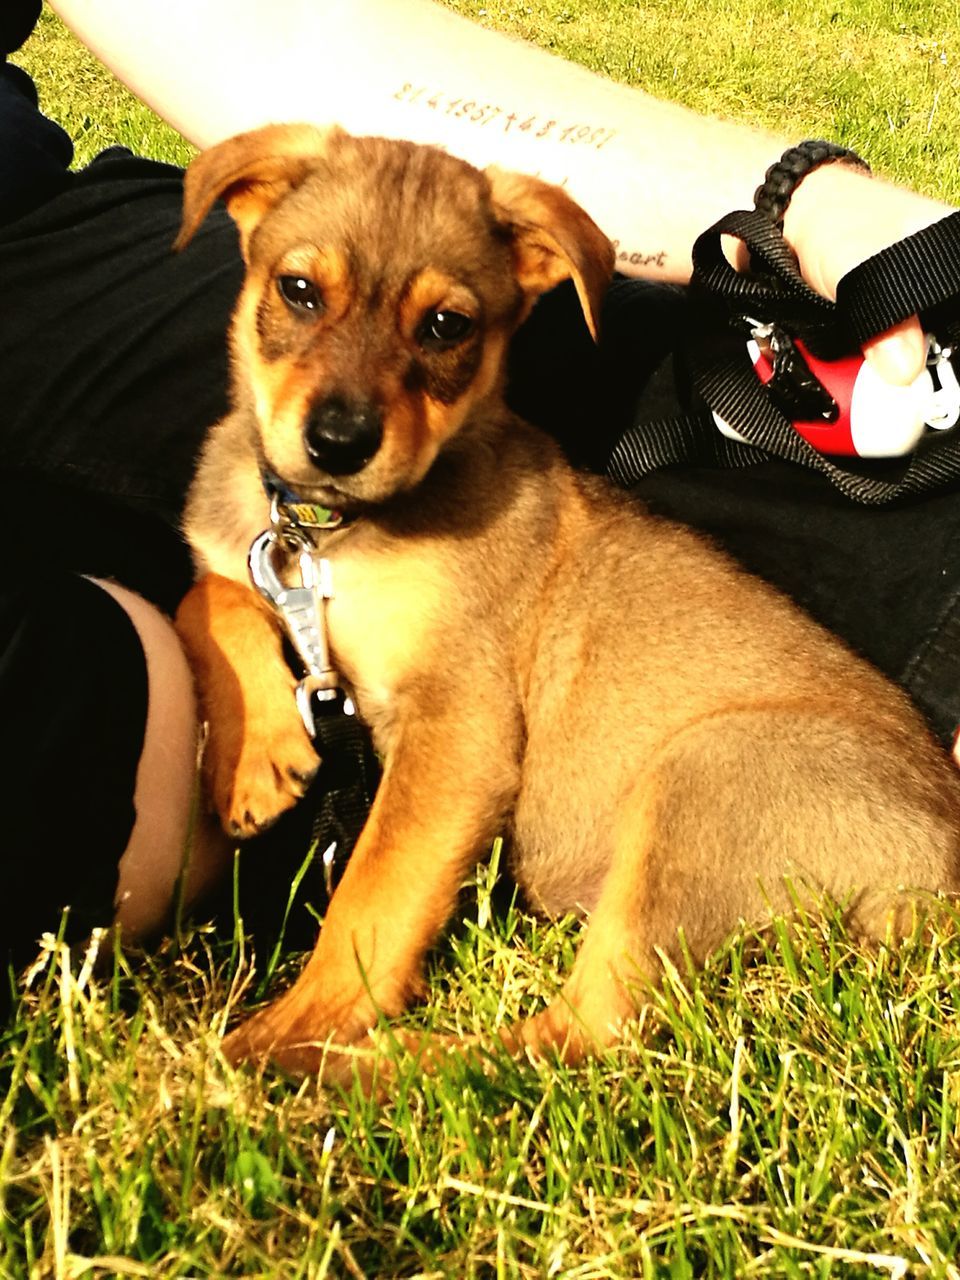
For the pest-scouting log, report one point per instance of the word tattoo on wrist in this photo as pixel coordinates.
(488, 113)
(634, 258)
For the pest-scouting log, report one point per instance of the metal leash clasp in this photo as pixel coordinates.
(302, 609)
(944, 409)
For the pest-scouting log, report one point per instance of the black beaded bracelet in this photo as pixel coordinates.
(783, 178)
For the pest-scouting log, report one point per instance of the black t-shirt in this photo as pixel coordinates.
(114, 366)
(114, 358)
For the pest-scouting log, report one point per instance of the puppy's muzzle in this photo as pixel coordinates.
(341, 438)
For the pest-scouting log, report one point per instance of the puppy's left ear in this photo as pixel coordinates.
(553, 239)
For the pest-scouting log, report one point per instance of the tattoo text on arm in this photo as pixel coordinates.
(635, 258)
(486, 114)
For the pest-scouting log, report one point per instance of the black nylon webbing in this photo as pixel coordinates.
(723, 375)
(689, 438)
(872, 298)
(907, 279)
(774, 290)
(345, 783)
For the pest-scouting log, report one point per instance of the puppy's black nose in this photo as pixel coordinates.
(341, 438)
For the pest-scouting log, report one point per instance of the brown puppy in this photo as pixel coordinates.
(665, 737)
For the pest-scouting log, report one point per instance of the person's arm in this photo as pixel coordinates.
(652, 174)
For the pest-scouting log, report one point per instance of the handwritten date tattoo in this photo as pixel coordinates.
(486, 114)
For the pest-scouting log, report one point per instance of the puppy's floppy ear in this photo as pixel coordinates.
(553, 239)
(250, 172)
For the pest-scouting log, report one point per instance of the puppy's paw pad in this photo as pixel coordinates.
(271, 775)
(301, 778)
(257, 802)
(249, 825)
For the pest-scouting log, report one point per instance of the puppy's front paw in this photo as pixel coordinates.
(258, 775)
(299, 1036)
(364, 1063)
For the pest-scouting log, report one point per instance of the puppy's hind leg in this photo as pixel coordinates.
(738, 815)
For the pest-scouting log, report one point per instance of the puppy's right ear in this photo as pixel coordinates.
(250, 173)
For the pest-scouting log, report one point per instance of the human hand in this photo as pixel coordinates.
(838, 217)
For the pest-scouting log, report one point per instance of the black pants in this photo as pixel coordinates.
(73, 702)
(113, 366)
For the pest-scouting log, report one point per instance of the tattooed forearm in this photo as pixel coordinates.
(490, 115)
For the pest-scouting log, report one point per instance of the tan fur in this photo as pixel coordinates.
(670, 742)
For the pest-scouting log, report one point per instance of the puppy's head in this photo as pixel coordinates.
(383, 283)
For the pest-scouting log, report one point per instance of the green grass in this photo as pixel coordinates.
(794, 1111)
(882, 77)
(94, 108)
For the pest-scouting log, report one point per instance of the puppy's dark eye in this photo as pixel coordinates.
(439, 329)
(300, 293)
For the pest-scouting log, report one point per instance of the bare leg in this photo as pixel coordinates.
(157, 851)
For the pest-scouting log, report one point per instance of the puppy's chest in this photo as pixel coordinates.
(388, 618)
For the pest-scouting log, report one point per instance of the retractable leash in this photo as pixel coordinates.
(770, 361)
(346, 780)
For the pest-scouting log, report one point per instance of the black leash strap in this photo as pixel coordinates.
(342, 791)
(339, 797)
(916, 276)
(691, 439)
(919, 275)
